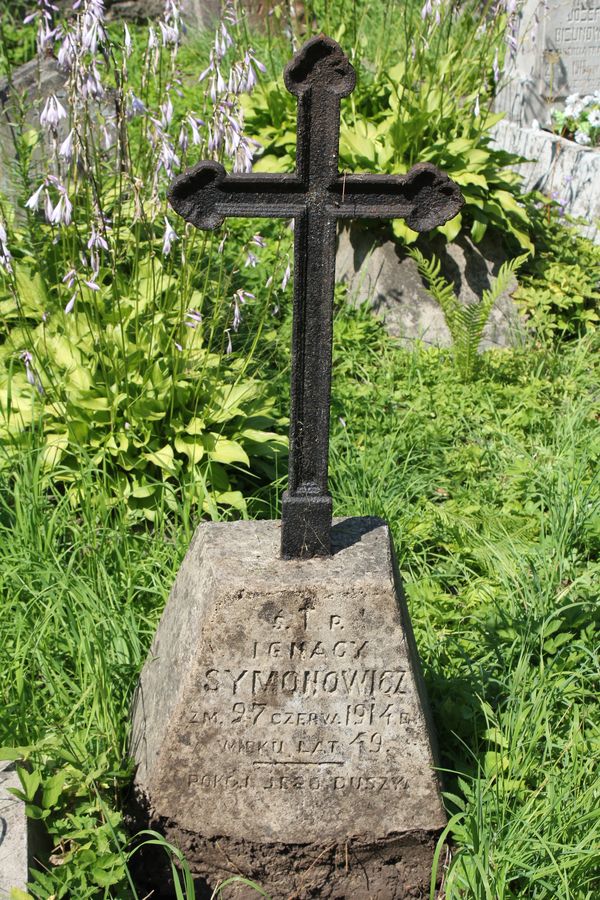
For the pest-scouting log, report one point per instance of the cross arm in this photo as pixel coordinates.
(424, 197)
(206, 194)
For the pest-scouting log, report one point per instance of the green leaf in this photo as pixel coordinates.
(452, 228)
(234, 499)
(193, 449)
(195, 426)
(94, 403)
(226, 451)
(52, 789)
(30, 781)
(402, 231)
(14, 753)
(143, 491)
(164, 459)
(478, 229)
(31, 289)
(106, 878)
(356, 146)
(464, 178)
(56, 444)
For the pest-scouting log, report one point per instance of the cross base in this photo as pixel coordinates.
(306, 525)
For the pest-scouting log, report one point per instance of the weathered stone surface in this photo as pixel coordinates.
(32, 84)
(564, 170)
(196, 13)
(377, 270)
(558, 54)
(281, 716)
(13, 834)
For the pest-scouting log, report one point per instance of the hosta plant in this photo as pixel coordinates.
(127, 338)
(431, 106)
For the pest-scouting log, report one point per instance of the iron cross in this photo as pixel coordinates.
(315, 196)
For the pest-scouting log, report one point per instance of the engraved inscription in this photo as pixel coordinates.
(571, 47)
(305, 703)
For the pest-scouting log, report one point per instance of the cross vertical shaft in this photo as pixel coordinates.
(307, 504)
(315, 196)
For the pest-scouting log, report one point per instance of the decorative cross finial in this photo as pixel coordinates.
(315, 196)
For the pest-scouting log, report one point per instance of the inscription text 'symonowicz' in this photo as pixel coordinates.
(315, 196)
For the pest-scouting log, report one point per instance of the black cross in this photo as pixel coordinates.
(315, 196)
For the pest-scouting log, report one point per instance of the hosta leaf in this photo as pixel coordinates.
(452, 228)
(261, 437)
(271, 163)
(508, 201)
(56, 444)
(80, 378)
(164, 459)
(225, 401)
(402, 231)
(226, 451)
(193, 449)
(31, 289)
(90, 402)
(478, 229)
(231, 498)
(356, 146)
(460, 146)
(142, 491)
(62, 351)
(470, 178)
(195, 426)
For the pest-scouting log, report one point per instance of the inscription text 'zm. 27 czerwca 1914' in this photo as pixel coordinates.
(316, 195)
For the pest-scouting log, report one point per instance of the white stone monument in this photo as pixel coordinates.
(558, 54)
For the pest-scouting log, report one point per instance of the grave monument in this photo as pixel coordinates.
(558, 54)
(280, 724)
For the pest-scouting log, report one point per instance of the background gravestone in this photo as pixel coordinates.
(558, 55)
(32, 83)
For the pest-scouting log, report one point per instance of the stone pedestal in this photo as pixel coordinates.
(280, 724)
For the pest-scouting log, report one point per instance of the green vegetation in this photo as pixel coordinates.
(145, 386)
(432, 106)
(465, 322)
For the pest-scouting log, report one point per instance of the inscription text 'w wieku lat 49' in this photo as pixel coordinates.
(315, 196)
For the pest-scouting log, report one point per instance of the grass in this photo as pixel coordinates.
(490, 491)
(490, 487)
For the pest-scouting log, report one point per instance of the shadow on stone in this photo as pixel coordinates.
(379, 272)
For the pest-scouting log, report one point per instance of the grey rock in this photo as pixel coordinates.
(377, 270)
(134, 10)
(281, 714)
(558, 54)
(13, 834)
(31, 85)
(561, 169)
(197, 14)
